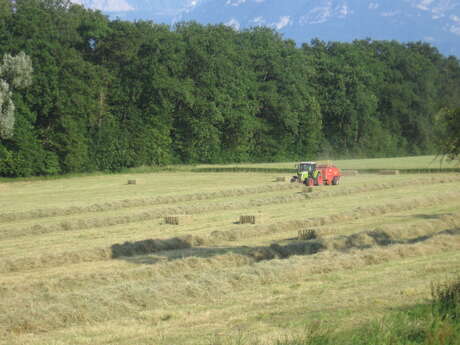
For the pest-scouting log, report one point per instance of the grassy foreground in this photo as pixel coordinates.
(90, 260)
(434, 323)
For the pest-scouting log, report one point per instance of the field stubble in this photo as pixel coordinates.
(201, 280)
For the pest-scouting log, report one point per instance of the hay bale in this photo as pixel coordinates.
(250, 219)
(389, 172)
(132, 181)
(350, 172)
(307, 234)
(178, 220)
(283, 179)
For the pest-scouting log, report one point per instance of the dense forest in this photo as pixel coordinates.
(80, 92)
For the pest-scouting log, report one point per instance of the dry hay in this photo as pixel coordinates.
(184, 281)
(307, 234)
(350, 172)
(276, 251)
(130, 203)
(102, 254)
(429, 231)
(251, 219)
(149, 215)
(152, 246)
(283, 179)
(178, 220)
(389, 172)
(358, 213)
(308, 192)
(54, 260)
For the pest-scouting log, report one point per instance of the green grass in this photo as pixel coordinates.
(403, 163)
(436, 323)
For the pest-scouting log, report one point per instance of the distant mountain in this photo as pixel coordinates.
(433, 21)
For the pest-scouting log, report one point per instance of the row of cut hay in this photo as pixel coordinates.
(98, 222)
(371, 187)
(74, 280)
(17, 316)
(155, 245)
(55, 260)
(130, 203)
(358, 213)
(383, 236)
(349, 172)
(389, 172)
(100, 254)
(154, 214)
(152, 246)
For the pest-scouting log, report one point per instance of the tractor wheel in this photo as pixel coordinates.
(319, 180)
(335, 180)
(294, 179)
(310, 182)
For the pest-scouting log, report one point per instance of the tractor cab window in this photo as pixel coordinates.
(307, 167)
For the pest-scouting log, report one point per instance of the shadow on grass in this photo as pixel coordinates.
(432, 216)
(152, 251)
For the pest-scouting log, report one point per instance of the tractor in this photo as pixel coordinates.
(313, 174)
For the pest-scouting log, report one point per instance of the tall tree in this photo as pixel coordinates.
(15, 73)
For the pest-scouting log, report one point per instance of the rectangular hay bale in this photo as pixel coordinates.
(282, 179)
(250, 219)
(178, 220)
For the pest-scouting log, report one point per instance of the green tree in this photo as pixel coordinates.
(15, 73)
(448, 121)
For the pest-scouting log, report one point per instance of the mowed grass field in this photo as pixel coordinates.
(90, 260)
(418, 162)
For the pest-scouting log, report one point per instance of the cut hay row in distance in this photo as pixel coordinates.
(318, 193)
(130, 203)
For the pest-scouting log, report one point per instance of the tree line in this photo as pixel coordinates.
(108, 94)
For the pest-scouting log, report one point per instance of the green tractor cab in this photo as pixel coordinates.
(304, 171)
(313, 174)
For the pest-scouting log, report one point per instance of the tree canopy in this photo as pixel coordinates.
(108, 94)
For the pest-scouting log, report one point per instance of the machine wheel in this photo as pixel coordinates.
(310, 182)
(319, 180)
(335, 180)
(294, 179)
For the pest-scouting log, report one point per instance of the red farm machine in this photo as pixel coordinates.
(313, 174)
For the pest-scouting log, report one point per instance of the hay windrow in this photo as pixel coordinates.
(117, 250)
(131, 203)
(54, 260)
(381, 236)
(98, 222)
(33, 314)
(362, 240)
(160, 200)
(389, 172)
(155, 245)
(358, 213)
